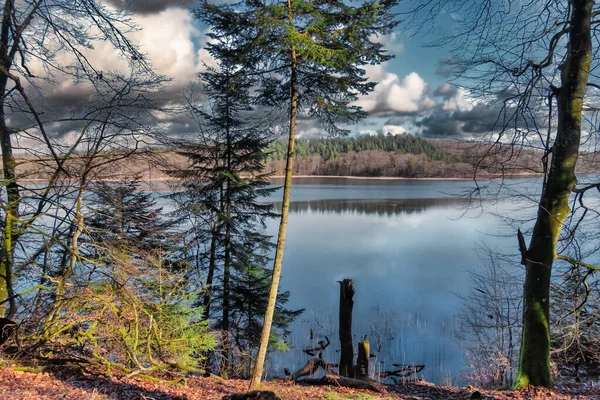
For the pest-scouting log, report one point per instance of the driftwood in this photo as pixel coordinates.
(311, 367)
(335, 380)
(405, 372)
(332, 378)
(318, 351)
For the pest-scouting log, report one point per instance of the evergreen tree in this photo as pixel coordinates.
(126, 217)
(307, 57)
(131, 298)
(223, 187)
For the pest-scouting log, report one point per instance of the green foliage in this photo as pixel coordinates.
(136, 327)
(221, 193)
(129, 301)
(330, 148)
(331, 40)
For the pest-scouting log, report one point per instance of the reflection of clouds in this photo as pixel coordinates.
(413, 221)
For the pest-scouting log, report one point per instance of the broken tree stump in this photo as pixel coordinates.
(362, 361)
(345, 328)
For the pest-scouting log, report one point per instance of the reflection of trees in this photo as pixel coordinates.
(381, 207)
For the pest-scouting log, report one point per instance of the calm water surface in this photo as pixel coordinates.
(408, 245)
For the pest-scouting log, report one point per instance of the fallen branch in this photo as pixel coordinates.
(403, 371)
(335, 380)
(310, 368)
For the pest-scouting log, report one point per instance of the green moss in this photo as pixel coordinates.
(540, 316)
(30, 369)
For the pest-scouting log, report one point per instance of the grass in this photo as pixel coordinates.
(360, 396)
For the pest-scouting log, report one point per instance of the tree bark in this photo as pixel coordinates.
(11, 218)
(534, 358)
(211, 273)
(10, 179)
(345, 328)
(362, 360)
(227, 259)
(285, 207)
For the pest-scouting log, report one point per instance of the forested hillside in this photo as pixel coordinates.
(402, 156)
(410, 156)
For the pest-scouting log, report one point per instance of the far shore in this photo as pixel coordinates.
(483, 177)
(168, 180)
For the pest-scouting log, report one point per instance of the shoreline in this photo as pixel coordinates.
(167, 180)
(380, 178)
(527, 175)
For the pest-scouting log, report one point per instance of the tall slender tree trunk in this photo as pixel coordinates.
(11, 219)
(285, 207)
(13, 197)
(227, 258)
(534, 358)
(226, 275)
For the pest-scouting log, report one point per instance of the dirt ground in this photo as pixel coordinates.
(64, 384)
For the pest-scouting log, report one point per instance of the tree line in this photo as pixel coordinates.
(329, 148)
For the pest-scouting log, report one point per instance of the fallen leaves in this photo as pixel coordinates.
(69, 384)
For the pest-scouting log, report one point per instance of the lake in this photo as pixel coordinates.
(408, 245)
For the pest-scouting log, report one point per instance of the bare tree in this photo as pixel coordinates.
(490, 321)
(43, 44)
(537, 59)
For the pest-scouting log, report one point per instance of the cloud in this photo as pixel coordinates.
(393, 129)
(172, 42)
(445, 90)
(393, 96)
(462, 115)
(390, 43)
(175, 48)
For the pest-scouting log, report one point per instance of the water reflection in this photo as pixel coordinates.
(379, 207)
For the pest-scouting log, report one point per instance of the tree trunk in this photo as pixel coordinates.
(287, 186)
(345, 328)
(211, 273)
(362, 360)
(227, 264)
(10, 222)
(534, 358)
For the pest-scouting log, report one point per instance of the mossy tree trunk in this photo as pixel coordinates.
(11, 217)
(13, 197)
(534, 358)
(362, 360)
(345, 328)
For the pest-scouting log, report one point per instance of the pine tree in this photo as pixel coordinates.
(132, 295)
(223, 185)
(307, 57)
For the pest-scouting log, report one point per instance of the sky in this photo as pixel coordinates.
(413, 95)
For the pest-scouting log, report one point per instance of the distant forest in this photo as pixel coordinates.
(409, 156)
(404, 156)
